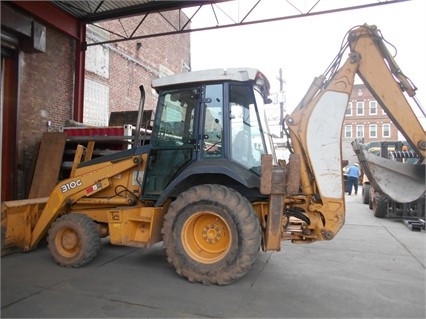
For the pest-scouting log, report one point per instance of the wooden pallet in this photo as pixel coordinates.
(48, 164)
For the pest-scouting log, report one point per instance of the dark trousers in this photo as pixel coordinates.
(352, 181)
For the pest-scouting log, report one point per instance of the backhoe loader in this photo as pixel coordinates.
(208, 184)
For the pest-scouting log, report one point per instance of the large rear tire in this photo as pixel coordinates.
(211, 235)
(380, 205)
(74, 240)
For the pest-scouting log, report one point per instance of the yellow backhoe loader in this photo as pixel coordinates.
(208, 184)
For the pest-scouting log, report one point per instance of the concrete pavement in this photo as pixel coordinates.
(374, 268)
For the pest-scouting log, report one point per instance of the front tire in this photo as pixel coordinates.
(211, 235)
(74, 240)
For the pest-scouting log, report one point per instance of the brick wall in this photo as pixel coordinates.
(138, 62)
(45, 91)
(46, 85)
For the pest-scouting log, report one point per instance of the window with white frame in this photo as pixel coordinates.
(360, 131)
(373, 107)
(373, 130)
(348, 131)
(349, 109)
(386, 130)
(359, 108)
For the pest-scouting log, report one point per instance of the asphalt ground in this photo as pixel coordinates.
(374, 268)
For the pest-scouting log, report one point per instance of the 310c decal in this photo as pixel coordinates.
(71, 185)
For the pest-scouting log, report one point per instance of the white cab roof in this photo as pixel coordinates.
(234, 74)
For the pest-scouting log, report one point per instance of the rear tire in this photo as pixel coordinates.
(380, 205)
(366, 193)
(211, 235)
(74, 240)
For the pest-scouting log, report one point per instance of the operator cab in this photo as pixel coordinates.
(207, 122)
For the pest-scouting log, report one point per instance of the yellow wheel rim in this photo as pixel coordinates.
(67, 242)
(206, 237)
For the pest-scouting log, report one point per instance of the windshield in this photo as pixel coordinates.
(247, 134)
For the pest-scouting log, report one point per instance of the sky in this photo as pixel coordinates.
(304, 47)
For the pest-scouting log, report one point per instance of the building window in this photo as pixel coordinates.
(348, 131)
(349, 109)
(386, 130)
(360, 131)
(96, 103)
(373, 130)
(373, 107)
(359, 108)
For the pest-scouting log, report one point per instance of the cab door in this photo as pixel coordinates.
(212, 111)
(173, 139)
(187, 128)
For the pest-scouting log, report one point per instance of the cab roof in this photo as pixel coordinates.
(212, 75)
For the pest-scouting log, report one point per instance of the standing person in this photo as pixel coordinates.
(353, 174)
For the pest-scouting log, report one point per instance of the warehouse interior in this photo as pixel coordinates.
(23, 40)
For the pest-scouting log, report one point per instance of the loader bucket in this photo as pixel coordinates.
(399, 181)
(18, 219)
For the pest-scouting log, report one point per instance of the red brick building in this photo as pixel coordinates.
(365, 119)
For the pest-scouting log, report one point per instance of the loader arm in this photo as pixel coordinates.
(314, 127)
(65, 193)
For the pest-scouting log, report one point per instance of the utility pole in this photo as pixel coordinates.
(281, 102)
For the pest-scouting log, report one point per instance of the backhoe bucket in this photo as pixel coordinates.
(399, 181)
(18, 219)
